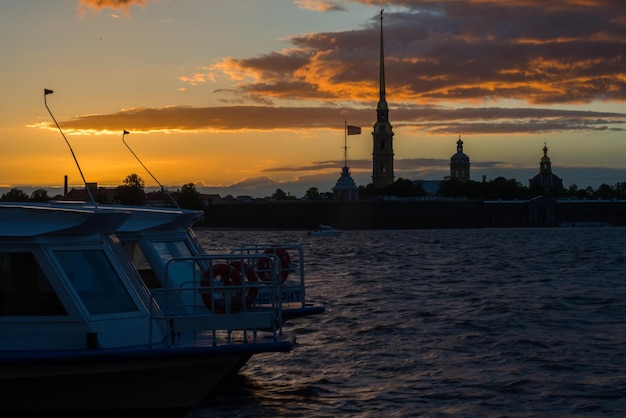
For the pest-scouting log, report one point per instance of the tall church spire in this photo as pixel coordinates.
(382, 101)
(382, 155)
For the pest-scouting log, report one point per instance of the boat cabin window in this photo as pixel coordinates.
(141, 264)
(96, 281)
(181, 273)
(24, 287)
(171, 249)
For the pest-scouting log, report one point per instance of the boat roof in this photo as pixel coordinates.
(148, 218)
(143, 219)
(19, 219)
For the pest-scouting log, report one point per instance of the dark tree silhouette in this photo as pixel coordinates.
(131, 192)
(188, 197)
(605, 192)
(399, 188)
(15, 195)
(279, 194)
(39, 195)
(312, 194)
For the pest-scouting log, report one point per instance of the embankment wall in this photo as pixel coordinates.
(410, 214)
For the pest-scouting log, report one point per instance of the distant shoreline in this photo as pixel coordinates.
(410, 214)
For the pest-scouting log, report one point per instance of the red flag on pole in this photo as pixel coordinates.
(354, 130)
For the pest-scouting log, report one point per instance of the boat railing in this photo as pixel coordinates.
(291, 271)
(219, 299)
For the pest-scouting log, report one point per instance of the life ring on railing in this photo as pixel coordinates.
(264, 264)
(228, 275)
(251, 277)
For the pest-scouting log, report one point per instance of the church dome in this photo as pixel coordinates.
(345, 182)
(460, 157)
(345, 188)
(547, 181)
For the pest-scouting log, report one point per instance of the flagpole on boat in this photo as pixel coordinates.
(124, 133)
(46, 92)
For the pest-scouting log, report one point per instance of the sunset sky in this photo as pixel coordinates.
(244, 97)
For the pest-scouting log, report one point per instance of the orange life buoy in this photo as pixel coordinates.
(228, 275)
(251, 276)
(264, 264)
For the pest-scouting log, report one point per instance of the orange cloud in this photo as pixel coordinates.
(98, 5)
(454, 51)
(319, 5)
(438, 55)
(435, 120)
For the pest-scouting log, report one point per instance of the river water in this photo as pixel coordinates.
(437, 323)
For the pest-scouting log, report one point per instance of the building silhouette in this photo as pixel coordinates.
(382, 154)
(346, 188)
(460, 164)
(546, 180)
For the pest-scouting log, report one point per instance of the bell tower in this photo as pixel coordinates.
(545, 167)
(460, 164)
(382, 154)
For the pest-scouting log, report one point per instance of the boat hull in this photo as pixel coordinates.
(120, 380)
(301, 312)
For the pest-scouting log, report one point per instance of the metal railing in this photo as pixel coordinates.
(219, 301)
(291, 273)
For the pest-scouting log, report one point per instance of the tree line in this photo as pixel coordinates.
(502, 188)
(498, 188)
(132, 192)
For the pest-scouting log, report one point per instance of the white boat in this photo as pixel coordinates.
(163, 248)
(325, 231)
(152, 236)
(82, 332)
(87, 328)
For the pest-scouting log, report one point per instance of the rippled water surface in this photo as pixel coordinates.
(485, 322)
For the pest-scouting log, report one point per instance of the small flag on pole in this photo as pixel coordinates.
(126, 132)
(354, 130)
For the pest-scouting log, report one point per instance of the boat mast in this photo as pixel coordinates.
(46, 92)
(124, 133)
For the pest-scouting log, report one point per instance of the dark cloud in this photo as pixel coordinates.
(539, 52)
(438, 55)
(316, 165)
(265, 118)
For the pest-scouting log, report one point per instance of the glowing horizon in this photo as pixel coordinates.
(248, 108)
